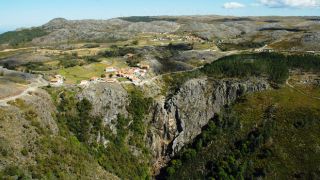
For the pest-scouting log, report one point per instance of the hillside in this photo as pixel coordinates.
(186, 97)
(300, 33)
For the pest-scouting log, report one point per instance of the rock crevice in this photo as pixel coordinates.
(178, 120)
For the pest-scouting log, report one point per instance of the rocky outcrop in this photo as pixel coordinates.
(108, 100)
(176, 121)
(179, 119)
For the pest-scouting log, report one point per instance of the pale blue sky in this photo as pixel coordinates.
(26, 13)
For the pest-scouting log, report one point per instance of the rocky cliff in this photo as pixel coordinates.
(109, 101)
(178, 120)
(175, 121)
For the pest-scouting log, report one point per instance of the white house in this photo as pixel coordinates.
(57, 80)
(111, 70)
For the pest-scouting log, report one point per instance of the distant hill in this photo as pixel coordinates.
(229, 32)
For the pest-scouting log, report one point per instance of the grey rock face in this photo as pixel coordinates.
(180, 119)
(176, 121)
(108, 100)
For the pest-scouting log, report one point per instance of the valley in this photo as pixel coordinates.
(186, 97)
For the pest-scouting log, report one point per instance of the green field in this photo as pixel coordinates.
(75, 74)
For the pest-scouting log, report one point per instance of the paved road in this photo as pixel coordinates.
(38, 82)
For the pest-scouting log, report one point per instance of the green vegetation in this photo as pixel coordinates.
(115, 152)
(15, 38)
(270, 135)
(117, 51)
(173, 82)
(240, 46)
(274, 66)
(77, 73)
(55, 156)
(139, 106)
(91, 46)
(62, 158)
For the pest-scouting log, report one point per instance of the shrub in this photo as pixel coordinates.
(24, 152)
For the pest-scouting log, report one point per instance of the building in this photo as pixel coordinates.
(84, 83)
(110, 80)
(111, 70)
(94, 79)
(57, 80)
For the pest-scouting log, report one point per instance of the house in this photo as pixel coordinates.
(94, 79)
(267, 50)
(110, 80)
(144, 66)
(57, 80)
(111, 70)
(84, 83)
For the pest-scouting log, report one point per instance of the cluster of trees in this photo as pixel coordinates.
(15, 38)
(216, 127)
(74, 117)
(138, 108)
(73, 59)
(180, 46)
(235, 162)
(240, 46)
(117, 51)
(91, 46)
(274, 66)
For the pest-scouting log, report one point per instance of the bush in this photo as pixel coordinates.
(91, 45)
(135, 42)
(13, 171)
(170, 171)
(92, 59)
(24, 152)
(189, 154)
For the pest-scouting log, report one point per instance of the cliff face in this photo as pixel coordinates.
(176, 121)
(108, 100)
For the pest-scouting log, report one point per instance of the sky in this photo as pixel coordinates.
(27, 13)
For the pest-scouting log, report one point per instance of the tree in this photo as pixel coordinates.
(135, 42)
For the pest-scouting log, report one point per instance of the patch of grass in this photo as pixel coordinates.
(75, 74)
(68, 159)
(13, 172)
(5, 149)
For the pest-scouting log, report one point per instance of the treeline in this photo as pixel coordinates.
(15, 38)
(240, 46)
(272, 65)
(116, 51)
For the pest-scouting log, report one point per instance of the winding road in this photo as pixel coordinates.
(32, 87)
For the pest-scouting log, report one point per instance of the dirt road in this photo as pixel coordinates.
(38, 82)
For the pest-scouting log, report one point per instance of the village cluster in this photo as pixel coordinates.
(112, 75)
